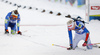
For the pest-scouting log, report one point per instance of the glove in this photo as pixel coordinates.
(19, 33)
(70, 47)
(85, 44)
(6, 31)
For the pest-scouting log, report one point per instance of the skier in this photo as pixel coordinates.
(81, 33)
(12, 20)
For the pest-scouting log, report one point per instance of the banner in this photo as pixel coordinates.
(52, 0)
(72, 2)
(94, 9)
(60, 0)
(66, 1)
(81, 3)
(56, 0)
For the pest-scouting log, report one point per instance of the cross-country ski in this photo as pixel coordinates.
(95, 45)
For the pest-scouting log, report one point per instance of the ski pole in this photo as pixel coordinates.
(59, 46)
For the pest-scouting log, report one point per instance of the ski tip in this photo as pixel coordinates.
(52, 44)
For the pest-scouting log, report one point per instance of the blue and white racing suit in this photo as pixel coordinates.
(12, 22)
(80, 34)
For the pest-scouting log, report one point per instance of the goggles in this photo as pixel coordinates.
(14, 16)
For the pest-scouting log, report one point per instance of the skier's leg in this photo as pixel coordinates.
(76, 40)
(13, 29)
(89, 42)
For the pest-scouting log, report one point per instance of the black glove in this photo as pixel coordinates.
(19, 33)
(70, 47)
(6, 31)
(85, 43)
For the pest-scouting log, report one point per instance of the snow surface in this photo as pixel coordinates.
(41, 30)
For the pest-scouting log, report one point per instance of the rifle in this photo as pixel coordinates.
(76, 19)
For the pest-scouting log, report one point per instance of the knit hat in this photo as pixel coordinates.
(70, 24)
(15, 13)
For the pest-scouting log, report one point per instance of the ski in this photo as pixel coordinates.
(26, 35)
(95, 45)
(7, 34)
(66, 47)
(59, 46)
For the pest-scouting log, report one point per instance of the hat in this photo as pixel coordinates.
(70, 24)
(15, 13)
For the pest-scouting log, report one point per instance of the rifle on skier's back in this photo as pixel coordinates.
(76, 19)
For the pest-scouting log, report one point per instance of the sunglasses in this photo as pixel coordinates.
(14, 16)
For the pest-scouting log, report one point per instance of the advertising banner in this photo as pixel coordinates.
(81, 3)
(56, 0)
(72, 2)
(94, 9)
(66, 1)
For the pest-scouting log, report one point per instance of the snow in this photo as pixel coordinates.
(41, 30)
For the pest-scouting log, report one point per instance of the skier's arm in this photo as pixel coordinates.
(70, 36)
(87, 34)
(7, 20)
(18, 21)
(82, 27)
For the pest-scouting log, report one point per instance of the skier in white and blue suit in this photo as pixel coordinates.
(81, 33)
(12, 20)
